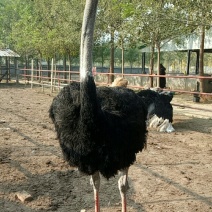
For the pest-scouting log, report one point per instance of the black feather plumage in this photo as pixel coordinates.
(103, 136)
(158, 103)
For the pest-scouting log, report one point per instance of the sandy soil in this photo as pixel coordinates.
(174, 174)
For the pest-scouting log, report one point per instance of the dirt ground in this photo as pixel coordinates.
(174, 174)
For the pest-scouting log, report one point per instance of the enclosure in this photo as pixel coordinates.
(173, 174)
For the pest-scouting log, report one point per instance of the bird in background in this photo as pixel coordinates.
(158, 104)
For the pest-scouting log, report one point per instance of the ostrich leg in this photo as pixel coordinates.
(95, 182)
(123, 187)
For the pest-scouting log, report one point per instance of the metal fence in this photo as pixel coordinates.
(56, 79)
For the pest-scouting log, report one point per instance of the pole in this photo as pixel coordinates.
(188, 62)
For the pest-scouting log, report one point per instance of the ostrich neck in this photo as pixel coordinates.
(87, 85)
(87, 39)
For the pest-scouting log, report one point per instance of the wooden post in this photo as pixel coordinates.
(32, 74)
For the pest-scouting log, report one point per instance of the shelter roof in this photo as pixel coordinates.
(191, 42)
(8, 53)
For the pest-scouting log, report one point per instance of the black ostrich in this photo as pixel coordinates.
(100, 129)
(158, 105)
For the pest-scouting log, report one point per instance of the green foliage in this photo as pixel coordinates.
(42, 28)
(9, 13)
(47, 28)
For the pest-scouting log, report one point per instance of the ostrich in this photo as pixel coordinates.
(158, 104)
(160, 110)
(120, 81)
(100, 129)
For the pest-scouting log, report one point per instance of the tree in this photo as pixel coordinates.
(131, 56)
(9, 15)
(41, 28)
(157, 22)
(111, 19)
(101, 53)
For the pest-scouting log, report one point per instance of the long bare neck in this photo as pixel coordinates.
(88, 96)
(87, 39)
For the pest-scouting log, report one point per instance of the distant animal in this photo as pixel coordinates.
(100, 129)
(158, 104)
(160, 110)
(120, 81)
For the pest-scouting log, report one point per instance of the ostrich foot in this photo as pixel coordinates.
(123, 187)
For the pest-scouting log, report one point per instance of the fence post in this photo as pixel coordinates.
(52, 68)
(32, 74)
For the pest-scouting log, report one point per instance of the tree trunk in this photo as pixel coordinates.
(27, 67)
(122, 58)
(158, 65)
(64, 68)
(102, 55)
(26, 62)
(201, 58)
(151, 65)
(69, 67)
(40, 67)
(112, 50)
(37, 68)
(49, 68)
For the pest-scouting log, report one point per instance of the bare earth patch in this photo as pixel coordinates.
(174, 174)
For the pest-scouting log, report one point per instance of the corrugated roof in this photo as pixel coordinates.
(191, 42)
(8, 53)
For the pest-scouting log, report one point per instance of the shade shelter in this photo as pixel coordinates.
(5, 68)
(189, 44)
